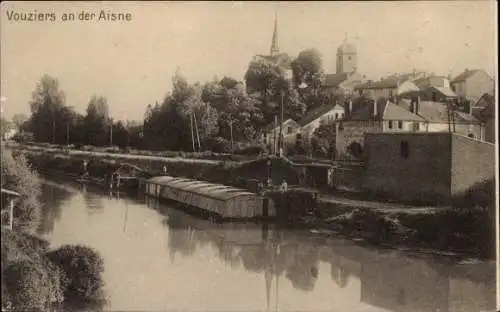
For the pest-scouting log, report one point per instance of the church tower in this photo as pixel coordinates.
(275, 50)
(347, 58)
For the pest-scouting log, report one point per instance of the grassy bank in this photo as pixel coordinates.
(229, 173)
(35, 278)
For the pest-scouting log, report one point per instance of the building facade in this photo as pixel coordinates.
(472, 84)
(416, 166)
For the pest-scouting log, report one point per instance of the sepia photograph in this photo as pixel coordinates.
(249, 156)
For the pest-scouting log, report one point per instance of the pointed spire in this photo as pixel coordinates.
(274, 43)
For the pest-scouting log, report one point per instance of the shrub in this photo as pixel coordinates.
(82, 267)
(251, 150)
(17, 176)
(29, 286)
(217, 145)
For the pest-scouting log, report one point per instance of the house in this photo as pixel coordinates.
(270, 133)
(434, 88)
(485, 111)
(472, 84)
(321, 115)
(386, 88)
(441, 117)
(342, 83)
(425, 165)
(377, 116)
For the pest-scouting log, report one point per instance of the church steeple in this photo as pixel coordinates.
(274, 43)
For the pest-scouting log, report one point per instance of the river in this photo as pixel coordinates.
(159, 259)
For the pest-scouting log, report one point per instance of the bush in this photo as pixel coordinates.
(31, 285)
(82, 268)
(251, 150)
(17, 175)
(217, 145)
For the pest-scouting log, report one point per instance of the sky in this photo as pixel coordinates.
(131, 63)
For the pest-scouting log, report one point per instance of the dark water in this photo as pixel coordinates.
(160, 259)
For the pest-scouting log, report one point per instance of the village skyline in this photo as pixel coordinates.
(132, 65)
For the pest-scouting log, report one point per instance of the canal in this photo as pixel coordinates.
(159, 259)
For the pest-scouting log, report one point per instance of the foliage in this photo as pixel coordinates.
(46, 104)
(83, 268)
(18, 176)
(96, 122)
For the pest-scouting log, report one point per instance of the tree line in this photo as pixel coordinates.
(219, 115)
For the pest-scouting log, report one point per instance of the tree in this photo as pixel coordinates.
(96, 122)
(19, 120)
(308, 76)
(267, 79)
(46, 102)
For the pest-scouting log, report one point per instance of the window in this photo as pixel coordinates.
(265, 138)
(434, 96)
(289, 130)
(349, 57)
(390, 124)
(336, 116)
(400, 125)
(405, 149)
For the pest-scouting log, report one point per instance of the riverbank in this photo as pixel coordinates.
(466, 229)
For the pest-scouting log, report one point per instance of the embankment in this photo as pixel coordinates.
(467, 229)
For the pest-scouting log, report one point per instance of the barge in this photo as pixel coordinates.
(215, 200)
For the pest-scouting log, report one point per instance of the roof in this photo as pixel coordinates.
(11, 193)
(333, 80)
(425, 81)
(281, 59)
(318, 112)
(346, 48)
(212, 190)
(437, 112)
(385, 111)
(465, 75)
(271, 126)
(485, 100)
(381, 84)
(445, 91)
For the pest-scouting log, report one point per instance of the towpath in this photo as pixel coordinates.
(379, 206)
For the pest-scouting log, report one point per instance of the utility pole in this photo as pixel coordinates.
(231, 132)
(280, 139)
(192, 133)
(67, 134)
(197, 133)
(111, 133)
(53, 131)
(274, 133)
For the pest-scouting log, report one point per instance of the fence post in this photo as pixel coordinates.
(11, 214)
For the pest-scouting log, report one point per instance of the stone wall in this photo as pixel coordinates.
(423, 173)
(473, 162)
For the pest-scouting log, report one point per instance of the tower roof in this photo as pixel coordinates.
(274, 43)
(346, 47)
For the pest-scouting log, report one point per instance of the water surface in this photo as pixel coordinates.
(159, 259)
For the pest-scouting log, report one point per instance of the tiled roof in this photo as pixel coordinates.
(270, 126)
(381, 84)
(281, 59)
(485, 100)
(333, 80)
(445, 91)
(318, 112)
(385, 111)
(466, 74)
(437, 112)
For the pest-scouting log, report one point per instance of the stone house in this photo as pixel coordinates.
(472, 84)
(376, 116)
(387, 88)
(439, 117)
(270, 134)
(321, 115)
(342, 83)
(423, 165)
(485, 111)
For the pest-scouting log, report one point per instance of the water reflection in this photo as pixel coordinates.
(178, 262)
